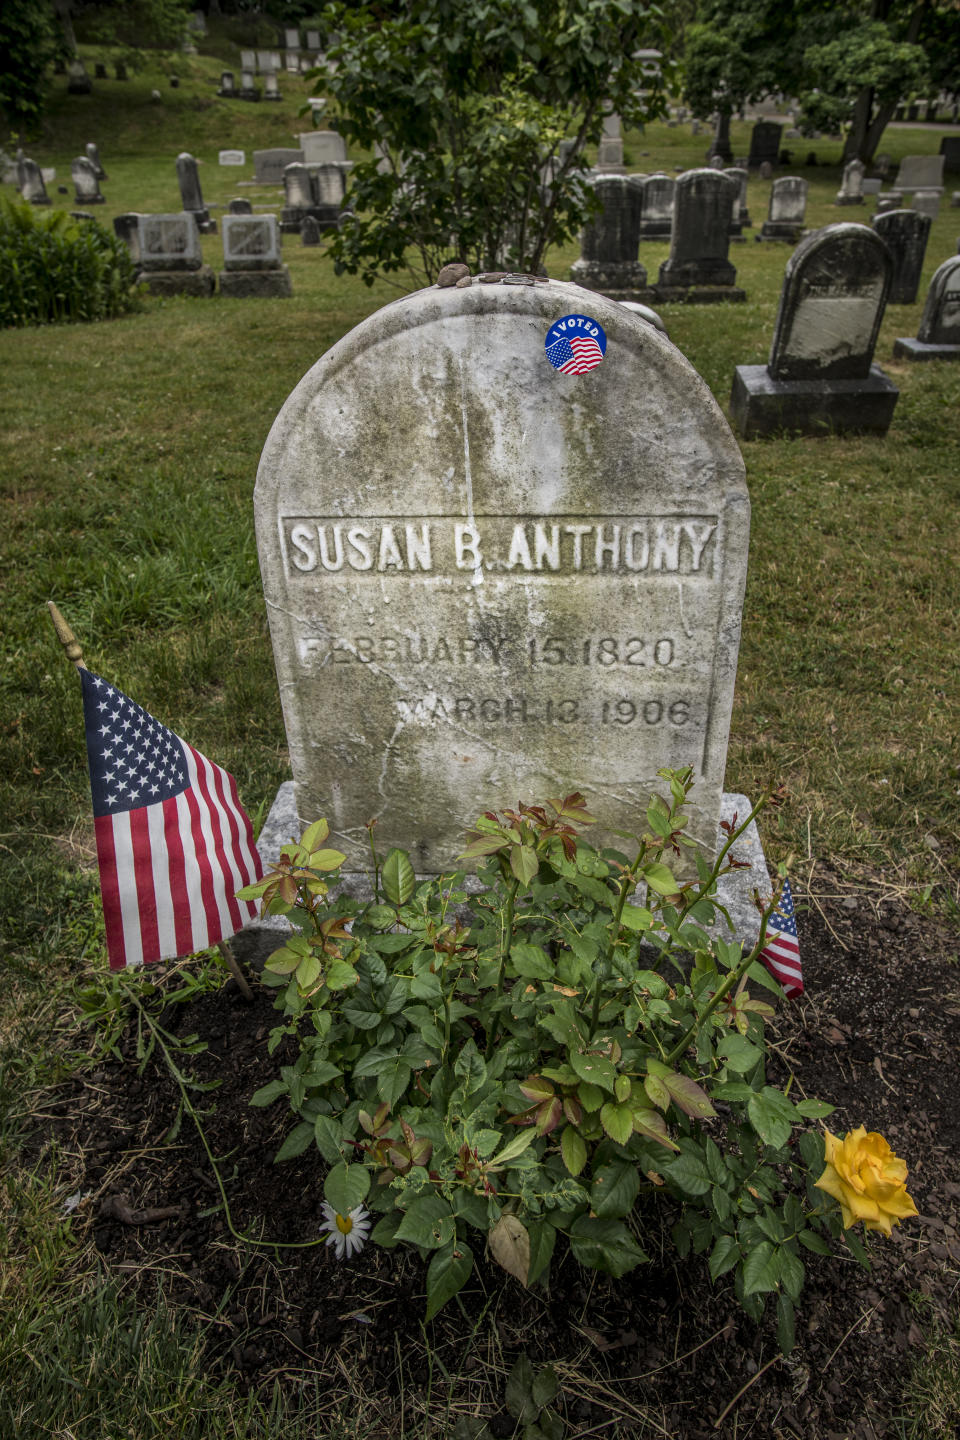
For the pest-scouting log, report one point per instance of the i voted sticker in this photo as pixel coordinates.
(575, 344)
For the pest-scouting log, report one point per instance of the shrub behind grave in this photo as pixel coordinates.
(54, 268)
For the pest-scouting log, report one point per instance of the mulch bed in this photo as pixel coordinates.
(662, 1351)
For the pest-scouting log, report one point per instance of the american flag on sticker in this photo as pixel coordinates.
(781, 954)
(575, 344)
(174, 843)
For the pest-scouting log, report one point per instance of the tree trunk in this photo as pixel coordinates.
(62, 8)
(721, 139)
(859, 125)
(875, 134)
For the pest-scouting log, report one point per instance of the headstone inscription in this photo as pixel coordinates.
(191, 196)
(269, 165)
(93, 155)
(905, 233)
(764, 144)
(656, 210)
(32, 188)
(232, 157)
(788, 208)
(170, 256)
(699, 270)
(938, 337)
(521, 581)
(851, 188)
(251, 258)
(610, 241)
(86, 186)
(821, 376)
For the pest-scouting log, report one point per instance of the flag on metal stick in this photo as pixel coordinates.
(781, 954)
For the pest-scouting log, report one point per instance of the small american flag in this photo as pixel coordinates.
(173, 842)
(575, 356)
(781, 954)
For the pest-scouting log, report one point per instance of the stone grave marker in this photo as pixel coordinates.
(322, 147)
(516, 582)
(78, 81)
(309, 231)
(252, 266)
(821, 376)
(264, 62)
(127, 228)
(699, 269)
(86, 186)
(740, 175)
(170, 256)
(271, 88)
(291, 61)
(240, 207)
(291, 39)
(851, 187)
(764, 144)
(872, 187)
(228, 89)
(32, 187)
(232, 157)
(100, 71)
(249, 90)
(950, 150)
(658, 193)
(120, 70)
(610, 150)
(927, 202)
(788, 208)
(905, 234)
(299, 197)
(938, 337)
(920, 172)
(313, 40)
(191, 196)
(269, 165)
(609, 243)
(93, 155)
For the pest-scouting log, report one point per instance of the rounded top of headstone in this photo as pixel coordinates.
(901, 219)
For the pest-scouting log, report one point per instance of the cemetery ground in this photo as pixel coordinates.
(129, 451)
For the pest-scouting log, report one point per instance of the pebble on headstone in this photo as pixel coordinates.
(86, 186)
(905, 234)
(609, 242)
(851, 188)
(252, 267)
(171, 260)
(519, 582)
(32, 187)
(938, 337)
(788, 208)
(451, 273)
(699, 269)
(821, 376)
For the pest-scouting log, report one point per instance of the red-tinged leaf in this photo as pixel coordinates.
(572, 1109)
(486, 845)
(549, 1116)
(688, 1096)
(420, 1152)
(652, 1124)
(536, 1088)
(657, 1091)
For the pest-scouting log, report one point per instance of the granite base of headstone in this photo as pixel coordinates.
(698, 270)
(171, 261)
(252, 267)
(938, 336)
(820, 377)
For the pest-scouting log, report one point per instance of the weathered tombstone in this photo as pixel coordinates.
(127, 228)
(609, 243)
(171, 260)
(920, 172)
(881, 165)
(740, 175)
(610, 150)
(271, 88)
(100, 71)
(788, 208)
(291, 59)
(299, 197)
(322, 147)
(251, 258)
(927, 202)
(329, 187)
(232, 157)
(78, 81)
(694, 127)
(872, 187)
(938, 337)
(309, 231)
(93, 155)
(264, 62)
(240, 207)
(950, 150)
(175, 81)
(699, 269)
(656, 212)
(888, 200)
(766, 170)
(120, 70)
(715, 162)
(32, 188)
(521, 582)
(905, 234)
(269, 165)
(291, 38)
(851, 187)
(764, 144)
(191, 196)
(86, 186)
(248, 60)
(313, 41)
(821, 375)
(249, 90)
(228, 89)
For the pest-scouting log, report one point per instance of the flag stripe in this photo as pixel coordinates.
(239, 875)
(212, 828)
(160, 860)
(110, 890)
(127, 881)
(181, 886)
(148, 932)
(206, 920)
(252, 864)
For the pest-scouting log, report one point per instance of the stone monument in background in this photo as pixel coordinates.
(609, 243)
(938, 337)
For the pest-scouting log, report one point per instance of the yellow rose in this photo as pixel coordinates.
(863, 1173)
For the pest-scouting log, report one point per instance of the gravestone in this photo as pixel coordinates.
(100, 71)
(240, 207)
(309, 231)
(766, 170)
(517, 582)
(764, 144)
(299, 198)
(788, 208)
(851, 187)
(269, 165)
(881, 165)
(93, 155)
(271, 88)
(322, 147)
(950, 150)
(248, 60)
(291, 39)
(127, 228)
(264, 62)
(86, 186)
(191, 196)
(905, 234)
(715, 162)
(609, 243)
(249, 90)
(171, 260)
(232, 157)
(291, 60)
(872, 187)
(821, 376)
(228, 89)
(927, 202)
(32, 188)
(251, 258)
(920, 172)
(78, 81)
(610, 150)
(938, 337)
(888, 200)
(699, 269)
(740, 175)
(313, 40)
(120, 70)
(658, 192)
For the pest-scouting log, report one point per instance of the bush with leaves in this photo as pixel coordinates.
(55, 268)
(546, 1057)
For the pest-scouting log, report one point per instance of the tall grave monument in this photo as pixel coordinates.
(609, 243)
(191, 196)
(490, 580)
(905, 234)
(699, 270)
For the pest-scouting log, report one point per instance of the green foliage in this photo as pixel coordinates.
(29, 41)
(866, 55)
(54, 268)
(468, 105)
(154, 24)
(527, 1063)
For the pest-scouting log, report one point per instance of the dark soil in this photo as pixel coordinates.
(877, 1034)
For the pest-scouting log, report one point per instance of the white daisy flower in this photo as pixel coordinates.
(348, 1233)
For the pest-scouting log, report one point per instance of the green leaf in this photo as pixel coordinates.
(739, 1053)
(470, 1069)
(792, 1273)
(786, 1328)
(296, 1142)
(689, 1174)
(269, 1092)
(810, 1240)
(573, 1150)
(660, 879)
(760, 1270)
(635, 918)
(514, 1147)
(814, 1109)
(857, 1249)
(688, 1096)
(531, 962)
(519, 1392)
(384, 1233)
(328, 1137)
(766, 1119)
(346, 1186)
(605, 1245)
(428, 1221)
(590, 1096)
(524, 862)
(615, 1188)
(724, 1255)
(397, 877)
(543, 1237)
(595, 1069)
(447, 1273)
(314, 835)
(340, 975)
(393, 1079)
(617, 1120)
(546, 1387)
(326, 859)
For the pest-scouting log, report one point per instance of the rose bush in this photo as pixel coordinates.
(866, 1177)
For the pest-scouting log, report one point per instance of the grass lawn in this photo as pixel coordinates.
(128, 452)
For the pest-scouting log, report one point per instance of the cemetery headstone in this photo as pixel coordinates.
(821, 376)
(269, 165)
(271, 88)
(905, 234)
(32, 188)
(920, 172)
(851, 187)
(523, 582)
(699, 269)
(888, 200)
(191, 196)
(313, 40)
(127, 228)
(872, 187)
(609, 243)
(291, 60)
(938, 337)
(788, 208)
(881, 165)
(93, 155)
(228, 89)
(86, 186)
(656, 211)
(322, 147)
(740, 175)
(171, 260)
(240, 207)
(927, 202)
(299, 197)
(78, 81)
(120, 70)
(610, 150)
(715, 162)
(249, 89)
(248, 60)
(232, 157)
(766, 170)
(950, 150)
(100, 71)
(764, 144)
(175, 82)
(291, 38)
(309, 231)
(264, 62)
(252, 266)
